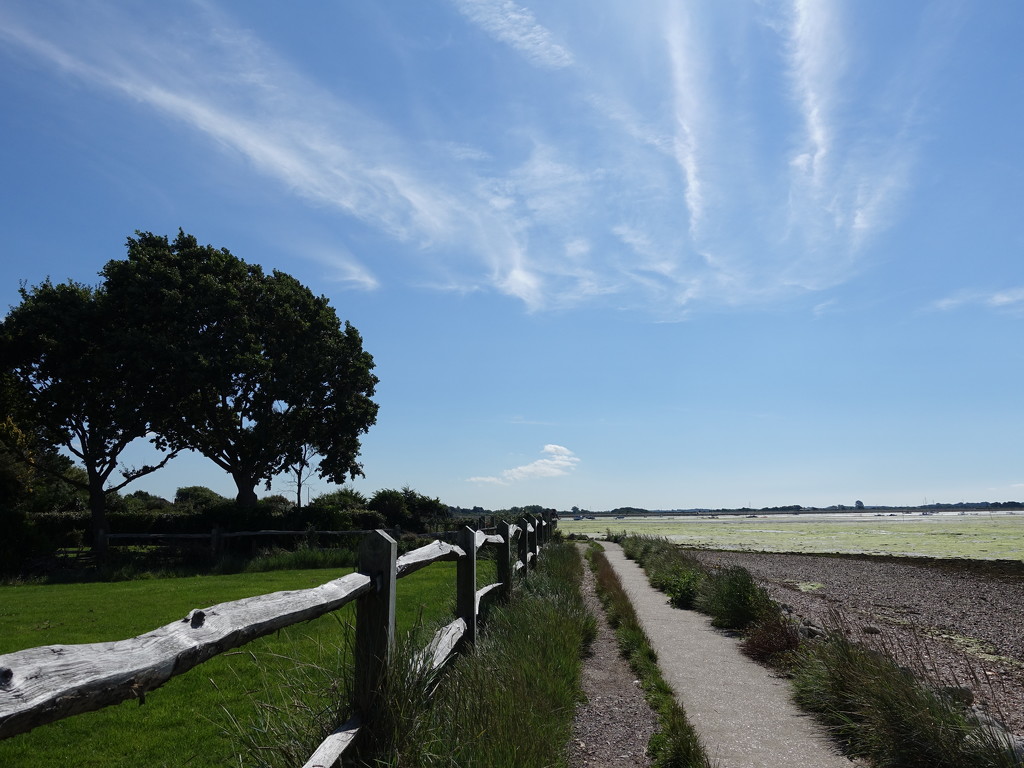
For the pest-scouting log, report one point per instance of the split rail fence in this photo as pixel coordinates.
(49, 683)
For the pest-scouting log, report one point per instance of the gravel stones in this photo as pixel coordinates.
(612, 727)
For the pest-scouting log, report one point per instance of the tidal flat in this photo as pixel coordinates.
(973, 536)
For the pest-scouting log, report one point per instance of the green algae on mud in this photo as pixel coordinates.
(973, 537)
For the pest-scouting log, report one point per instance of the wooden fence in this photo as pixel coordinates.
(42, 685)
(218, 538)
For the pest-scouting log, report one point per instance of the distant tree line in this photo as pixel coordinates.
(191, 348)
(36, 521)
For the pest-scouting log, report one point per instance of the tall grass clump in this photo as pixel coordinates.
(300, 703)
(880, 711)
(733, 599)
(521, 680)
(730, 596)
(676, 743)
(668, 568)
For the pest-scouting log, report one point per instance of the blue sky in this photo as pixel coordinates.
(660, 254)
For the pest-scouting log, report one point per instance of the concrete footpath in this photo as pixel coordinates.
(744, 715)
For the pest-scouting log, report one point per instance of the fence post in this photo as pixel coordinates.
(101, 543)
(465, 583)
(505, 560)
(375, 618)
(524, 543)
(533, 539)
(216, 543)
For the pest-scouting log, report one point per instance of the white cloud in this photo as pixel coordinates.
(1009, 299)
(559, 461)
(688, 101)
(825, 307)
(665, 189)
(517, 27)
(345, 269)
(1006, 298)
(226, 84)
(816, 60)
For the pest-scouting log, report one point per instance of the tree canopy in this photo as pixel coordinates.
(71, 381)
(255, 365)
(192, 348)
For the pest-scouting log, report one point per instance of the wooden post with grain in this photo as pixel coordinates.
(465, 583)
(375, 618)
(505, 560)
(524, 543)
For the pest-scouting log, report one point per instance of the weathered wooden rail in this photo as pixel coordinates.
(49, 683)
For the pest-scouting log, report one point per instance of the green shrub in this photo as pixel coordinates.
(668, 568)
(682, 587)
(772, 640)
(733, 599)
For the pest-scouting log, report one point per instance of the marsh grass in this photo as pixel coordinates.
(730, 596)
(676, 743)
(733, 599)
(668, 568)
(510, 701)
(773, 641)
(881, 711)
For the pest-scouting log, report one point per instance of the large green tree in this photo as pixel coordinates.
(254, 366)
(71, 381)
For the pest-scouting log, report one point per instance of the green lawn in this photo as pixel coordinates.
(183, 723)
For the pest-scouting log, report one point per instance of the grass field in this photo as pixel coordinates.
(970, 536)
(183, 723)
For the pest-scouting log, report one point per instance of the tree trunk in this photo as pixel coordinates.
(98, 509)
(246, 498)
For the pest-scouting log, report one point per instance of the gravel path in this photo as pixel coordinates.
(613, 725)
(960, 621)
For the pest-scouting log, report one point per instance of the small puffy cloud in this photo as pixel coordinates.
(558, 461)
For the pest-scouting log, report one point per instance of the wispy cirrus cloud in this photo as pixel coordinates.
(688, 102)
(816, 61)
(558, 461)
(225, 83)
(343, 267)
(516, 26)
(654, 184)
(1006, 300)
